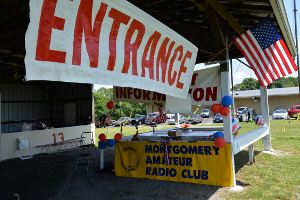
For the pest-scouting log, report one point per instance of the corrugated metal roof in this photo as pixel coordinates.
(271, 92)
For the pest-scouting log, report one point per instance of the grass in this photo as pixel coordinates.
(272, 176)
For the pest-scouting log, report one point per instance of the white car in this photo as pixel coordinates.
(205, 113)
(182, 119)
(280, 114)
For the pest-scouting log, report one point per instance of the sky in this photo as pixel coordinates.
(240, 71)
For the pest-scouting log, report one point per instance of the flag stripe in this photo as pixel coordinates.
(256, 58)
(242, 48)
(273, 51)
(288, 57)
(256, 65)
(274, 62)
(284, 57)
(281, 58)
(259, 52)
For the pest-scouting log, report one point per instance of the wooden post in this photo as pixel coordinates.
(251, 154)
(265, 115)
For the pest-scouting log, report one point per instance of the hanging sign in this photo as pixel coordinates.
(205, 88)
(109, 42)
(200, 162)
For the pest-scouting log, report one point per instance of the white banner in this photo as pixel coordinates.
(109, 42)
(206, 87)
(128, 94)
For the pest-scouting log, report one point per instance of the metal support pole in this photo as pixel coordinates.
(296, 37)
(232, 92)
(265, 115)
(251, 154)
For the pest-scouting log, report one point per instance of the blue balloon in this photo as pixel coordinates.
(102, 144)
(227, 100)
(111, 142)
(218, 134)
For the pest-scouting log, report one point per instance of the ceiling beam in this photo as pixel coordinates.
(250, 1)
(214, 22)
(14, 31)
(224, 13)
(10, 2)
(248, 7)
(23, 8)
(146, 3)
(171, 10)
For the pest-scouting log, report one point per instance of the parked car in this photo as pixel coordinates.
(243, 116)
(280, 114)
(218, 118)
(206, 113)
(252, 113)
(280, 108)
(109, 122)
(123, 121)
(169, 116)
(239, 110)
(182, 119)
(153, 117)
(195, 119)
(140, 119)
(294, 110)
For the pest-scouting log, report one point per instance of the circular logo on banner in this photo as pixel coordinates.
(130, 159)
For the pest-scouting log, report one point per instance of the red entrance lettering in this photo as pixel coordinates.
(150, 63)
(163, 59)
(182, 69)
(91, 35)
(171, 79)
(48, 22)
(119, 18)
(135, 25)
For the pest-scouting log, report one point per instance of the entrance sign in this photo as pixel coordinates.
(200, 162)
(106, 42)
(205, 87)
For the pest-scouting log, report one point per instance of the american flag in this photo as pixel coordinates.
(162, 115)
(266, 52)
(235, 127)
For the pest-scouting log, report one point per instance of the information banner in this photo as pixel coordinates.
(109, 42)
(205, 87)
(200, 162)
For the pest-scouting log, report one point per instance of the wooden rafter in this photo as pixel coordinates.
(146, 3)
(213, 19)
(23, 8)
(225, 14)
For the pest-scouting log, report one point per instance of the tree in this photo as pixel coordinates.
(104, 95)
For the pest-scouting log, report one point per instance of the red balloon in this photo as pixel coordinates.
(118, 137)
(216, 108)
(110, 104)
(220, 142)
(102, 137)
(224, 111)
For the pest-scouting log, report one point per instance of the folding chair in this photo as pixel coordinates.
(24, 143)
(86, 152)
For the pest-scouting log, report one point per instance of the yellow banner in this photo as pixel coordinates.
(193, 162)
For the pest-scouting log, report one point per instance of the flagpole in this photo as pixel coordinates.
(296, 36)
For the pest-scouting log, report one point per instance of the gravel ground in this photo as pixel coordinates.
(54, 177)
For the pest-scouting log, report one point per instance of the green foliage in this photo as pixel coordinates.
(104, 95)
(253, 84)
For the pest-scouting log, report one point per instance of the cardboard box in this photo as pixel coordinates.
(175, 133)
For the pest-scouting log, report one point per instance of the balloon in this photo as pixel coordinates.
(110, 142)
(102, 137)
(227, 101)
(224, 111)
(218, 134)
(216, 108)
(220, 142)
(118, 137)
(102, 144)
(110, 104)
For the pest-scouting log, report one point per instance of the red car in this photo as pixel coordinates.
(294, 110)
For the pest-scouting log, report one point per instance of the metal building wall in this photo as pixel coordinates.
(32, 103)
(19, 103)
